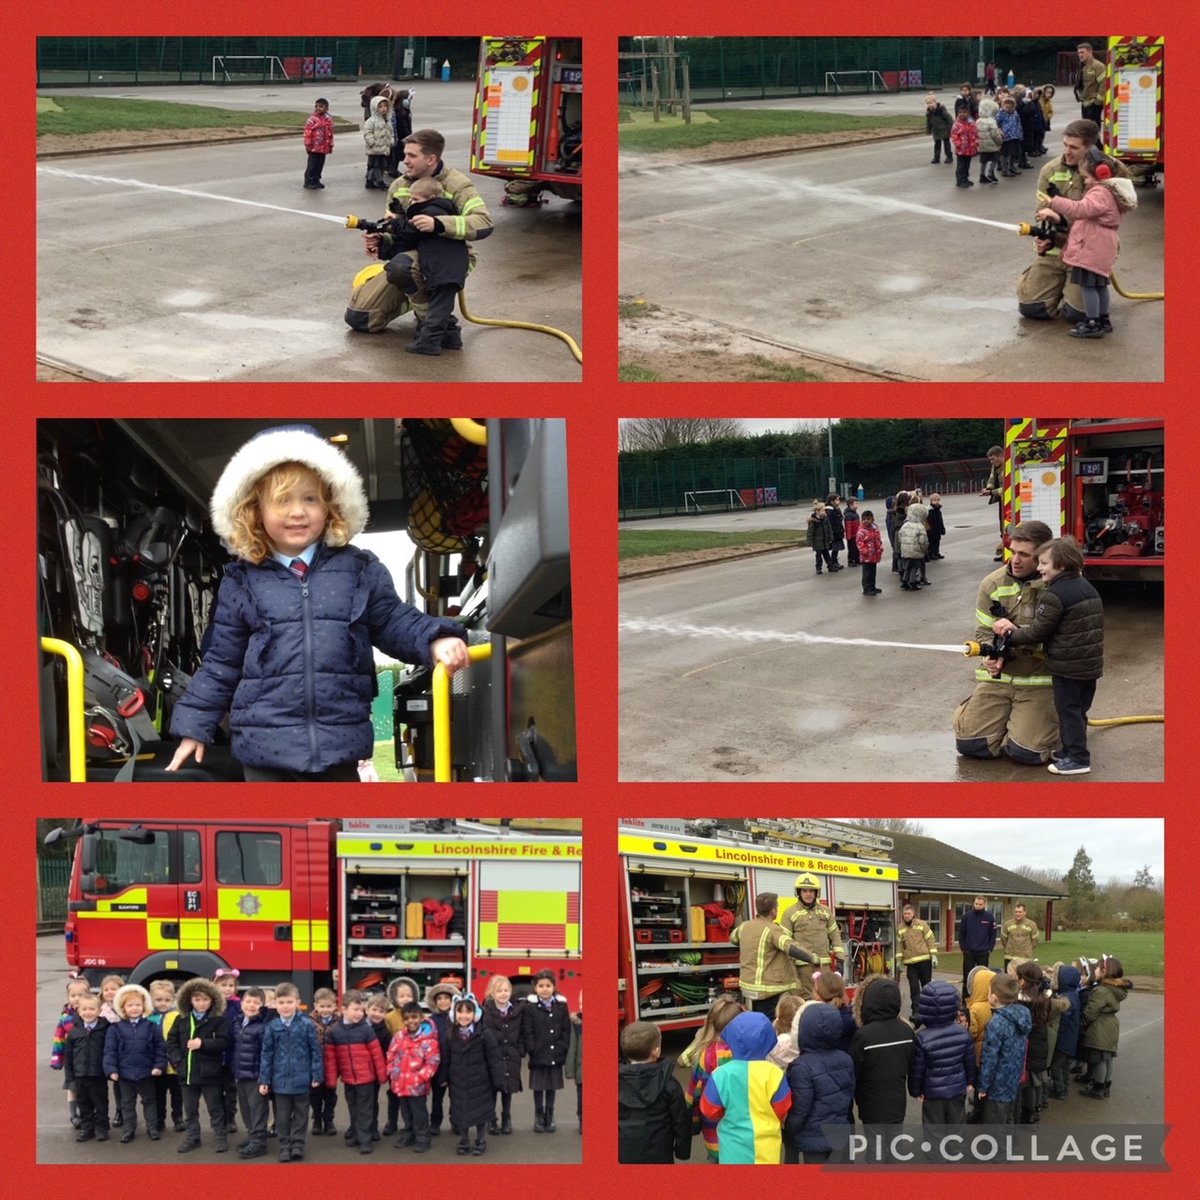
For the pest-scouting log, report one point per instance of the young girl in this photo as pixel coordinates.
(401, 991)
(786, 1049)
(76, 990)
(1092, 241)
(109, 986)
(134, 1056)
(289, 656)
(506, 1020)
(438, 1000)
(830, 988)
(377, 134)
(1102, 1026)
(226, 980)
(475, 1073)
(706, 1053)
(547, 1039)
(574, 1065)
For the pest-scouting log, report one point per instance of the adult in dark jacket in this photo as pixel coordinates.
(882, 1052)
(976, 938)
(196, 1048)
(289, 656)
(246, 1034)
(1064, 983)
(353, 1054)
(475, 1071)
(653, 1122)
(505, 1017)
(944, 1060)
(83, 1063)
(547, 1039)
(134, 1054)
(822, 1083)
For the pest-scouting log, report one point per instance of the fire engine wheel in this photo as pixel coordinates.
(558, 333)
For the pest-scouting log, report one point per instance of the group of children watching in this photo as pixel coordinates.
(761, 1092)
(256, 1052)
(387, 121)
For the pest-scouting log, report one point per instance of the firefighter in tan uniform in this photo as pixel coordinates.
(766, 954)
(1089, 83)
(1018, 938)
(813, 926)
(918, 956)
(1011, 711)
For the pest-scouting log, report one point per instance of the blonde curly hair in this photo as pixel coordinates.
(249, 539)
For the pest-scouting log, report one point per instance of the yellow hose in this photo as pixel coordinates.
(558, 333)
(1156, 719)
(1132, 295)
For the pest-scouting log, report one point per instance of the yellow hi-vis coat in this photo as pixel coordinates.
(1018, 939)
(816, 931)
(766, 968)
(917, 942)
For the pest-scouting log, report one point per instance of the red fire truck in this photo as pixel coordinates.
(1098, 479)
(354, 902)
(1133, 104)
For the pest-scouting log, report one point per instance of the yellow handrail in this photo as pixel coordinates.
(76, 730)
(441, 713)
(470, 430)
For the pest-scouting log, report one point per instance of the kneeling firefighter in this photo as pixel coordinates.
(813, 926)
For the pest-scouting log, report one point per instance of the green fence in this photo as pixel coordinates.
(53, 876)
(672, 487)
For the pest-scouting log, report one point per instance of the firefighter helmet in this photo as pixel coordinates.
(808, 880)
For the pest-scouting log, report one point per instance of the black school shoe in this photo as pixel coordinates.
(1087, 329)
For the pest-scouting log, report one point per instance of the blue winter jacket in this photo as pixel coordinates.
(290, 660)
(944, 1061)
(291, 1056)
(821, 1079)
(1010, 126)
(1068, 1023)
(134, 1049)
(246, 1055)
(1003, 1058)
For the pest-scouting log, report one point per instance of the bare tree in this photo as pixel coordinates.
(661, 433)
(891, 825)
(1046, 876)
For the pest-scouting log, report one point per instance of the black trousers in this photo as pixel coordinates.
(437, 1097)
(291, 1120)
(255, 1108)
(868, 580)
(935, 542)
(940, 144)
(852, 559)
(341, 773)
(972, 958)
(1072, 699)
(214, 1100)
(362, 1110)
(416, 1118)
(316, 164)
(766, 1005)
(230, 1095)
(91, 1095)
(823, 556)
(962, 168)
(131, 1091)
(944, 1112)
(167, 1094)
(1094, 112)
(919, 974)
(324, 1101)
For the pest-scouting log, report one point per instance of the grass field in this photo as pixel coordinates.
(1141, 953)
(96, 114)
(642, 543)
(638, 132)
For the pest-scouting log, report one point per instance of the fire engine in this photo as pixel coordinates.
(528, 123)
(129, 569)
(1098, 479)
(354, 902)
(1133, 104)
(686, 884)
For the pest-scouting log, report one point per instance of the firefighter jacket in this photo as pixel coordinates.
(204, 1064)
(766, 967)
(917, 943)
(944, 1061)
(1069, 620)
(352, 1054)
(413, 1060)
(1026, 665)
(1018, 939)
(815, 929)
(84, 1053)
(508, 1028)
(471, 223)
(1101, 1026)
(1089, 82)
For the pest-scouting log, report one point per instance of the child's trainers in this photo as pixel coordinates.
(1087, 329)
(1068, 766)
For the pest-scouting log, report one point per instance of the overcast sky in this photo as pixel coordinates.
(1118, 847)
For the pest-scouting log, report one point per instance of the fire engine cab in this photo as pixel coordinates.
(686, 884)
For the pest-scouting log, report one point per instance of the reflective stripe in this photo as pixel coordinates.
(1006, 589)
(1016, 680)
(985, 619)
(472, 204)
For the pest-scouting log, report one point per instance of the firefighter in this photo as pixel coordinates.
(918, 956)
(765, 972)
(1011, 711)
(1018, 938)
(993, 489)
(813, 926)
(1089, 82)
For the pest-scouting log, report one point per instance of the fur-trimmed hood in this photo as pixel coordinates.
(877, 999)
(123, 994)
(1122, 189)
(282, 444)
(413, 985)
(183, 998)
(435, 990)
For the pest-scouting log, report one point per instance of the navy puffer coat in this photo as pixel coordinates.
(247, 1043)
(1068, 1024)
(133, 1049)
(944, 1062)
(821, 1079)
(291, 660)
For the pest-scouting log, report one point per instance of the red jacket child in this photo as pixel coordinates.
(413, 1058)
(352, 1051)
(870, 542)
(964, 137)
(318, 131)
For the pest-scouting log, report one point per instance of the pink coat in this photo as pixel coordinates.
(1092, 241)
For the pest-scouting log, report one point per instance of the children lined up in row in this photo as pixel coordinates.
(760, 1093)
(207, 1043)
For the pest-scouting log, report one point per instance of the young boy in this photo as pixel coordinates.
(936, 526)
(134, 1056)
(318, 141)
(1010, 129)
(413, 1060)
(167, 1091)
(290, 1066)
(943, 1067)
(852, 520)
(83, 1060)
(653, 1123)
(352, 1052)
(964, 137)
(196, 1049)
(748, 1097)
(999, 1080)
(324, 1099)
(1069, 622)
(820, 538)
(247, 1035)
(882, 1052)
(937, 124)
(870, 550)
(379, 1009)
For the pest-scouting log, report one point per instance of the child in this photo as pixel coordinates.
(506, 1020)
(573, 1068)
(444, 261)
(547, 1039)
(979, 1011)
(748, 1097)
(352, 1053)
(298, 695)
(377, 134)
(196, 1049)
(837, 527)
(966, 101)
(400, 100)
(991, 140)
(291, 1066)
(1034, 993)
(852, 521)
(438, 999)
(318, 142)
(1030, 113)
(897, 513)
(1003, 1060)
(226, 979)
(882, 1052)
(401, 991)
(964, 137)
(1069, 623)
(821, 1082)
(1102, 1026)
(706, 1053)
(830, 988)
(167, 1091)
(1011, 134)
(943, 1068)
(324, 1099)
(937, 124)
(1047, 90)
(413, 1060)
(134, 1055)
(246, 1034)
(935, 523)
(475, 1072)
(870, 549)
(109, 986)
(379, 1009)
(1064, 984)
(652, 1115)
(820, 537)
(786, 1051)
(914, 545)
(76, 990)
(1092, 241)
(83, 1062)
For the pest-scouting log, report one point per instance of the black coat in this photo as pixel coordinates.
(441, 1022)
(1069, 621)
(444, 260)
(653, 1123)
(84, 1053)
(547, 1032)
(882, 1051)
(247, 1043)
(509, 1032)
(134, 1050)
(201, 1066)
(476, 1071)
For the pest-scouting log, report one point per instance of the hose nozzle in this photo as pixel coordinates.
(365, 226)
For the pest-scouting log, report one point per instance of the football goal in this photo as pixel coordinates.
(713, 500)
(838, 82)
(228, 67)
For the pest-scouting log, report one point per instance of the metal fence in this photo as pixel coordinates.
(967, 475)
(53, 876)
(650, 488)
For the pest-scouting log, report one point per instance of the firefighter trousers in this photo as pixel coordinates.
(1014, 719)
(1044, 290)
